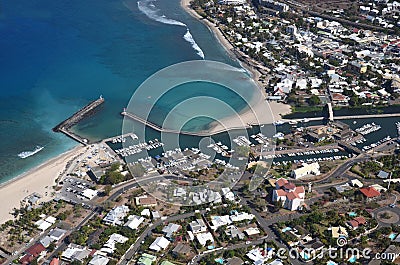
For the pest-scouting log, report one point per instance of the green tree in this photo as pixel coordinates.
(107, 190)
(314, 100)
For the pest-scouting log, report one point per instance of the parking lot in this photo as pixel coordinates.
(72, 191)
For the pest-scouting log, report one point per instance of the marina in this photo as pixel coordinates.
(242, 141)
(221, 149)
(138, 148)
(368, 128)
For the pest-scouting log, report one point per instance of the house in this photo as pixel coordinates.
(203, 238)
(391, 253)
(281, 7)
(55, 261)
(159, 243)
(256, 256)
(145, 212)
(75, 252)
(54, 235)
(146, 201)
(234, 261)
(109, 246)
(383, 174)
(116, 215)
(198, 226)
(370, 192)
(32, 253)
(170, 229)
(234, 232)
(356, 183)
(44, 224)
(339, 231)
(285, 85)
(146, 259)
(166, 262)
(252, 231)
(339, 98)
(292, 197)
(134, 221)
(181, 249)
(357, 67)
(306, 170)
(99, 260)
(356, 222)
(228, 194)
(155, 215)
(276, 262)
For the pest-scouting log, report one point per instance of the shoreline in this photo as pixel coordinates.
(39, 179)
(247, 116)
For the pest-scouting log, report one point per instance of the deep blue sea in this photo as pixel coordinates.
(56, 56)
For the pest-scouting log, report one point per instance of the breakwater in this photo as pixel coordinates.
(65, 126)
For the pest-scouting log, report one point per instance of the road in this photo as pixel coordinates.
(134, 248)
(198, 258)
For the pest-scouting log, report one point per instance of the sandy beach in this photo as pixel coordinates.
(40, 180)
(261, 112)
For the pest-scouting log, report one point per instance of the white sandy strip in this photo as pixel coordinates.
(40, 179)
(258, 114)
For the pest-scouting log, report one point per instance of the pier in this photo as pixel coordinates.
(160, 129)
(349, 147)
(64, 127)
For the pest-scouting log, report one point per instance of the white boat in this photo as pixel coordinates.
(280, 122)
(26, 154)
(306, 120)
(292, 122)
(278, 135)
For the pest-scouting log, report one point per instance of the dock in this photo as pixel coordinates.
(65, 126)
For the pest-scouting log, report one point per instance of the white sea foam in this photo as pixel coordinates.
(148, 8)
(189, 38)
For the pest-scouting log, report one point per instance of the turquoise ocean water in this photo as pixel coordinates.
(56, 56)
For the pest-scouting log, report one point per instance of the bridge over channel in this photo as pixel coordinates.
(166, 130)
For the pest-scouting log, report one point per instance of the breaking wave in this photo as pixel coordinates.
(148, 8)
(189, 38)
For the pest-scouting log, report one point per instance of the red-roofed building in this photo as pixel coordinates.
(281, 182)
(55, 261)
(356, 222)
(32, 253)
(370, 192)
(291, 196)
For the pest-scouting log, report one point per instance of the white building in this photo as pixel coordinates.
(134, 221)
(99, 260)
(231, 2)
(89, 194)
(75, 252)
(116, 216)
(305, 170)
(198, 226)
(159, 243)
(203, 238)
(228, 194)
(109, 246)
